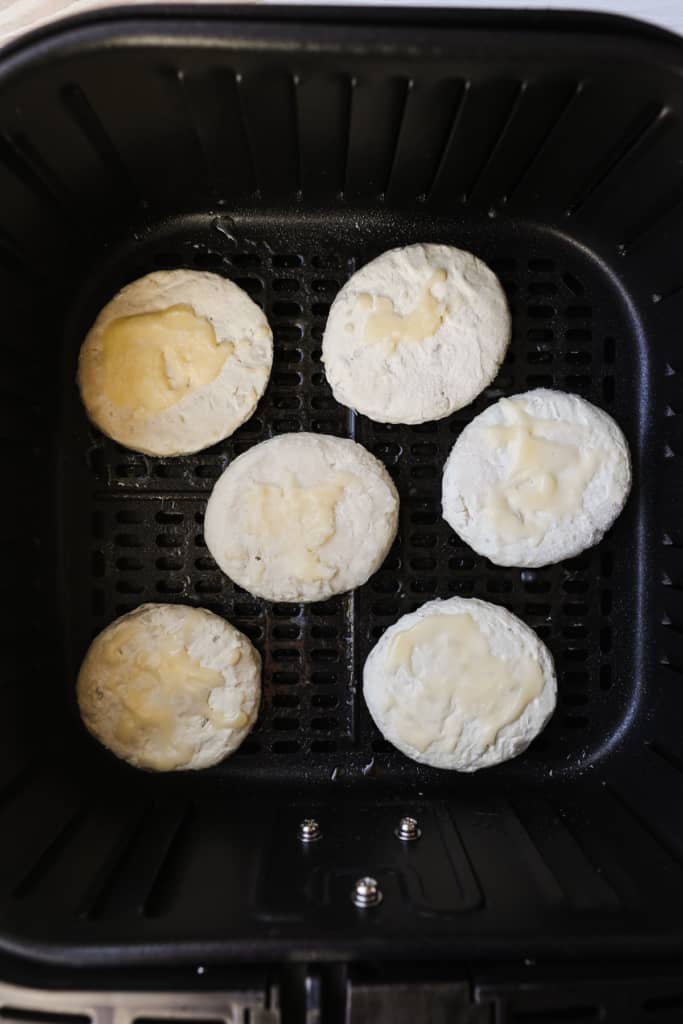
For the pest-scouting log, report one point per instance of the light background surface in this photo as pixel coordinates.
(16, 16)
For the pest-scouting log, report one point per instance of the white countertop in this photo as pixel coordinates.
(17, 16)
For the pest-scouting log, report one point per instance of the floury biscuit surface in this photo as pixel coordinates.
(302, 517)
(460, 684)
(175, 362)
(168, 687)
(536, 478)
(416, 334)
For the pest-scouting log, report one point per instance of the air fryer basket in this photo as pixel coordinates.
(285, 149)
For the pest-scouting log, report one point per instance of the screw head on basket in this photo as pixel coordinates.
(309, 831)
(366, 892)
(407, 830)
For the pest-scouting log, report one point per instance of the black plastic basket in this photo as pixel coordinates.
(283, 149)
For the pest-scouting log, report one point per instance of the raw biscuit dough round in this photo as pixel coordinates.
(416, 334)
(169, 687)
(302, 517)
(543, 448)
(206, 411)
(420, 695)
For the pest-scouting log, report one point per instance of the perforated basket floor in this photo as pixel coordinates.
(144, 515)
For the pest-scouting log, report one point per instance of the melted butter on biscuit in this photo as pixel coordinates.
(295, 522)
(546, 477)
(459, 679)
(150, 361)
(155, 685)
(384, 324)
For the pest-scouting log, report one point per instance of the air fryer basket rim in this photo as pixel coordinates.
(512, 864)
(513, 19)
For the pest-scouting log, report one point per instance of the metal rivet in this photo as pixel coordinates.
(366, 892)
(407, 830)
(309, 831)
